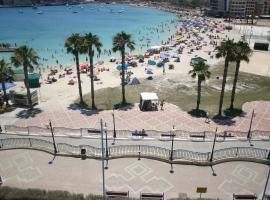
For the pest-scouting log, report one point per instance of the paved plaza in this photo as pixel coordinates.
(31, 169)
(132, 118)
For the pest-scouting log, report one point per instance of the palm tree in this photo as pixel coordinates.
(4, 71)
(74, 45)
(120, 41)
(200, 70)
(26, 57)
(225, 50)
(242, 53)
(90, 42)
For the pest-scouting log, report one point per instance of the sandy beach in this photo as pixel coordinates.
(66, 93)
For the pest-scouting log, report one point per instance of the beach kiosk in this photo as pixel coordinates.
(148, 101)
(33, 80)
(196, 60)
(18, 74)
(20, 97)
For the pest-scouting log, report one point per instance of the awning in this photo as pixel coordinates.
(7, 85)
(149, 96)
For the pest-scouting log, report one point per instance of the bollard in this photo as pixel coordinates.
(83, 153)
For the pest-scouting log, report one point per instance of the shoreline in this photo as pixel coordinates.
(47, 62)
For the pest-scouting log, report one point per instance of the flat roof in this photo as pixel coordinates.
(149, 96)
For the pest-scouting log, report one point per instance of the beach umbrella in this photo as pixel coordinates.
(151, 62)
(160, 64)
(149, 72)
(119, 67)
(140, 56)
(83, 66)
(165, 55)
(7, 85)
(134, 81)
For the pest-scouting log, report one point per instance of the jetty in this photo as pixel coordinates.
(7, 49)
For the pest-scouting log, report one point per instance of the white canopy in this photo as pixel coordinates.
(149, 96)
(155, 47)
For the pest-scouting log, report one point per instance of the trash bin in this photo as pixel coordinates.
(83, 153)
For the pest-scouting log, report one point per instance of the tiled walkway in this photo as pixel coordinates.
(132, 118)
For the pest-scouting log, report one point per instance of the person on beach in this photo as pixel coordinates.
(164, 70)
(162, 104)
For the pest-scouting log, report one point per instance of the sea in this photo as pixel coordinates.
(46, 28)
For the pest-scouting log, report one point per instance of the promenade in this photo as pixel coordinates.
(131, 118)
(31, 169)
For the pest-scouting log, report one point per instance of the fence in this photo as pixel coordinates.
(152, 152)
(84, 132)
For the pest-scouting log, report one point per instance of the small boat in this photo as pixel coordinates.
(39, 12)
(75, 11)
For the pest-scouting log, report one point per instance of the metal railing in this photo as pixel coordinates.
(152, 152)
(84, 132)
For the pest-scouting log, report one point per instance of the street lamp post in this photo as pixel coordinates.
(114, 131)
(106, 147)
(213, 148)
(249, 130)
(266, 183)
(106, 139)
(54, 145)
(172, 135)
(102, 159)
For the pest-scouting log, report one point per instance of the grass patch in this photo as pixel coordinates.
(10, 193)
(6, 109)
(181, 91)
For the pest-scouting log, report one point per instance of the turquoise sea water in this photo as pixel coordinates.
(47, 32)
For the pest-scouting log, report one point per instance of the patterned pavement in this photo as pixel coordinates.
(31, 169)
(132, 118)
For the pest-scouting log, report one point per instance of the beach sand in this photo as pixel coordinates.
(61, 91)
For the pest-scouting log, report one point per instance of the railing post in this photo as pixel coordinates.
(208, 155)
(54, 145)
(81, 131)
(250, 126)
(139, 152)
(236, 154)
(28, 130)
(30, 142)
(1, 144)
(213, 148)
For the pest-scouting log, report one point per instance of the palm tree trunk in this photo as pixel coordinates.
(123, 78)
(92, 77)
(235, 83)
(4, 90)
(27, 86)
(223, 86)
(199, 94)
(79, 77)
